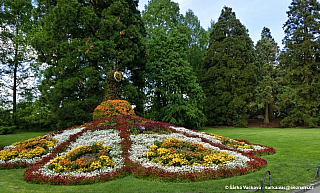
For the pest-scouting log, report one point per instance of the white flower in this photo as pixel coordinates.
(142, 142)
(61, 137)
(109, 137)
(213, 138)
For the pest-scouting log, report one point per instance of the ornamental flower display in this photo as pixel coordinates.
(112, 108)
(94, 154)
(28, 149)
(28, 152)
(83, 158)
(175, 152)
(123, 145)
(232, 142)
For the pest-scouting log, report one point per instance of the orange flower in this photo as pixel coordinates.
(111, 108)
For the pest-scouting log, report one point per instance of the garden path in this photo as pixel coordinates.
(316, 189)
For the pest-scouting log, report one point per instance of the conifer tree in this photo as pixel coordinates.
(301, 61)
(173, 92)
(230, 76)
(267, 52)
(80, 41)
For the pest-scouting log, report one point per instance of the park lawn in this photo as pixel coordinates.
(294, 164)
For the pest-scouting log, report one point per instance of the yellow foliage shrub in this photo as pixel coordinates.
(112, 108)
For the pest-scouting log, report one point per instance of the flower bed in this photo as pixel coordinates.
(198, 159)
(28, 152)
(28, 149)
(114, 147)
(176, 152)
(83, 158)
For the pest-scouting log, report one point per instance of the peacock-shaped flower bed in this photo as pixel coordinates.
(122, 145)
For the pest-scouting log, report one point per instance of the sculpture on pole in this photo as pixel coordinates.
(112, 104)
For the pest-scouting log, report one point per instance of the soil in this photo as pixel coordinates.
(89, 156)
(258, 123)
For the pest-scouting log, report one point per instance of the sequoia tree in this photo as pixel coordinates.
(267, 52)
(173, 92)
(79, 42)
(301, 62)
(230, 73)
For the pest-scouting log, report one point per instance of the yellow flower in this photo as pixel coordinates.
(162, 151)
(99, 143)
(231, 157)
(106, 147)
(107, 160)
(51, 143)
(25, 141)
(95, 165)
(153, 147)
(178, 162)
(175, 152)
(150, 154)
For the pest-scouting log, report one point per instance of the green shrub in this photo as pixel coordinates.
(7, 129)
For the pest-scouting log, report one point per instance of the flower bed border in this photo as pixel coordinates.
(256, 163)
(33, 174)
(25, 164)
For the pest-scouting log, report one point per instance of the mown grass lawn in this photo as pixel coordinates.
(298, 150)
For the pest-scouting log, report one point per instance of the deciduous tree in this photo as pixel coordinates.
(198, 41)
(173, 92)
(16, 54)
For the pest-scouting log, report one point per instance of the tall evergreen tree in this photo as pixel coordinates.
(267, 52)
(173, 92)
(15, 51)
(230, 76)
(301, 61)
(80, 41)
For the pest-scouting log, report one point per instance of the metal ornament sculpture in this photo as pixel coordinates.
(117, 76)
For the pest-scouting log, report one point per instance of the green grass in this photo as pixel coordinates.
(297, 151)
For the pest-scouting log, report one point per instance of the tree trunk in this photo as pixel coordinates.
(113, 87)
(271, 111)
(15, 71)
(14, 88)
(266, 116)
(15, 94)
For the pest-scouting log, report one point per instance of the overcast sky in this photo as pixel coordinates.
(254, 14)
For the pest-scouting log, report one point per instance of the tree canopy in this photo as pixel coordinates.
(267, 52)
(16, 54)
(173, 69)
(173, 92)
(230, 74)
(79, 41)
(301, 61)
